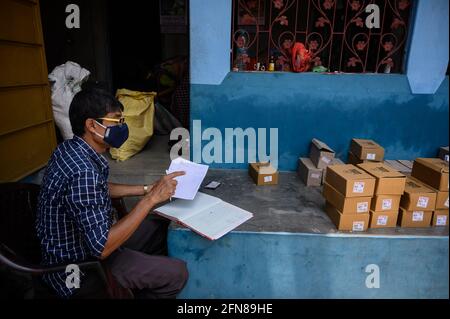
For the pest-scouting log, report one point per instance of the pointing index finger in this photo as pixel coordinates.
(175, 174)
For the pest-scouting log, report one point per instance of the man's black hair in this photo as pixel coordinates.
(91, 104)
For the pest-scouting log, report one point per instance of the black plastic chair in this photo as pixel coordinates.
(20, 255)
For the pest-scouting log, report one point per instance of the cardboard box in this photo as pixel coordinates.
(350, 180)
(381, 203)
(398, 166)
(442, 200)
(320, 153)
(335, 161)
(389, 181)
(309, 174)
(440, 218)
(367, 150)
(346, 205)
(431, 171)
(383, 219)
(414, 218)
(418, 196)
(443, 153)
(347, 222)
(263, 174)
(353, 159)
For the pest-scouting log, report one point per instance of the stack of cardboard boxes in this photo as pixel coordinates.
(389, 187)
(348, 191)
(417, 204)
(364, 151)
(312, 170)
(369, 192)
(434, 173)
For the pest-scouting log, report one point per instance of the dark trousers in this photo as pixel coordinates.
(142, 265)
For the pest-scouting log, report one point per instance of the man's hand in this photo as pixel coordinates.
(163, 189)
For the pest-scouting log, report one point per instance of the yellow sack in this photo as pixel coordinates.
(139, 113)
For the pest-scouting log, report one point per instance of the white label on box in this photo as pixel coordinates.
(371, 156)
(382, 220)
(446, 203)
(315, 175)
(417, 216)
(422, 202)
(362, 207)
(358, 226)
(447, 158)
(267, 179)
(326, 159)
(386, 204)
(441, 220)
(358, 187)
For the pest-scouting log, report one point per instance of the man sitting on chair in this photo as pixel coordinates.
(75, 223)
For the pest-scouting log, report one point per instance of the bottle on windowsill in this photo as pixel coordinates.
(271, 64)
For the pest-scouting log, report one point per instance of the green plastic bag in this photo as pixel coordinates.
(139, 113)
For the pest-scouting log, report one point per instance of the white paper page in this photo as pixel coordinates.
(182, 209)
(188, 184)
(218, 220)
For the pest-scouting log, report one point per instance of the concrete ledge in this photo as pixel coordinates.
(290, 265)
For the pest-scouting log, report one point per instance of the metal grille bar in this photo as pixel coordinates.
(334, 31)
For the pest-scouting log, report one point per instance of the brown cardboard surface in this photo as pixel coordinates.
(347, 222)
(383, 219)
(432, 171)
(442, 200)
(349, 205)
(389, 181)
(418, 196)
(414, 218)
(367, 150)
(353, 159)
(263, 174)
(320, 154)
(335, 161)
(309, 174)
(350, 180)
(397, 165)
(443, 153)
(440, 218)
(381, 203)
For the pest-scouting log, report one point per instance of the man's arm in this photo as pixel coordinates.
(122, 230)
(121, 190)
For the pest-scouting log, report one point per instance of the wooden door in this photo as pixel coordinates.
(27, 132)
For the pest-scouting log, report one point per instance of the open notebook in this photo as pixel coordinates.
(207, 215)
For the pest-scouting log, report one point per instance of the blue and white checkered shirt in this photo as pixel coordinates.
(74, 210)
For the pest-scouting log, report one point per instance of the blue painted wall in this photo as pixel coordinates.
(428, 50)
(333, 108)
(268, 265)
(210, 54)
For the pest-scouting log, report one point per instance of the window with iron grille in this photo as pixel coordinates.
(335, 35)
